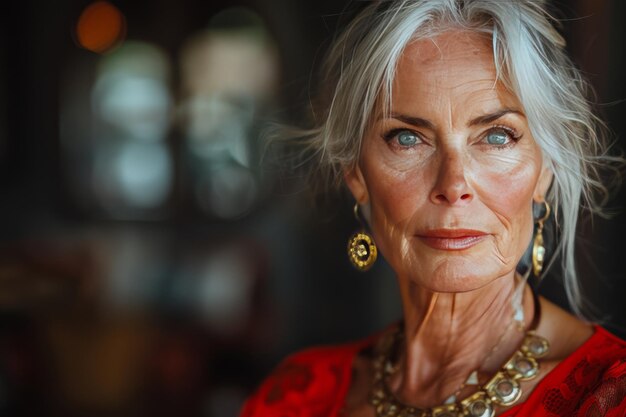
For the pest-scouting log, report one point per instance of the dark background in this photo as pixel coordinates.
(174, 306)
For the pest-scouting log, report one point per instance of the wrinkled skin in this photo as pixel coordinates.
(456, 152)
(452, 177)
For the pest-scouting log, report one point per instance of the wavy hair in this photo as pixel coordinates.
(530, 60)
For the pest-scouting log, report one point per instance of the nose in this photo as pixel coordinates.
(451, 187)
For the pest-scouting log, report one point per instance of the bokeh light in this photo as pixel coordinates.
(101, 27)
(229, 191)
(229, 76)
(131, 105)
(134, 175)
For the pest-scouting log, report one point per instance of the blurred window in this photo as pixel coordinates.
(229, 76)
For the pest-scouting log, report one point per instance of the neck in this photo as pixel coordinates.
(450, 335)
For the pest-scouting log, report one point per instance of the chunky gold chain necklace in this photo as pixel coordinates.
(503, 389)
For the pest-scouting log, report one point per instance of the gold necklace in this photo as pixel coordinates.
(503, 389)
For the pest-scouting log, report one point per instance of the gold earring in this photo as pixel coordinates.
(539, 251)
(362, 250)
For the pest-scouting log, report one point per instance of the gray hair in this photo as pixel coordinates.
(530, 60)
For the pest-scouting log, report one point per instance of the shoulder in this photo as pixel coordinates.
(603, 371)
(589, 382)
(601, 358)
(312, 382)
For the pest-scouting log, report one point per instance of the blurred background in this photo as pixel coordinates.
(151, 262)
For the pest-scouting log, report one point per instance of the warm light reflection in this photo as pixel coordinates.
(100, 27)
(236, 56)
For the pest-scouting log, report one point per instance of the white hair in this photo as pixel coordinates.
(530, 60)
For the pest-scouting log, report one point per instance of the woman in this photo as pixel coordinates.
(451, 122)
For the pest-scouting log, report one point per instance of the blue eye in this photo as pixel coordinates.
(497, 137)
(402, 138)
(407, 138)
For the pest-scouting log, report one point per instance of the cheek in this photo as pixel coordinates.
(506, 186)
(395, 197)
(398, 182)
(503, 183)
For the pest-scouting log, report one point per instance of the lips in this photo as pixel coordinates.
(452, 239)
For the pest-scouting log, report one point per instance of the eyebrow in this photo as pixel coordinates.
(480, 120)
(415, 121)
(492, 117)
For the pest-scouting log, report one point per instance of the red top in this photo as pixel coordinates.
(314, 383)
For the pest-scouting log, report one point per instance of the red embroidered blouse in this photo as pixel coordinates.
(313, 383)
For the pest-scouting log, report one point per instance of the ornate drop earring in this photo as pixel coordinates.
(539, 251)
(362, 250)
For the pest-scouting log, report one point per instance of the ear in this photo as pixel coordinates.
(356, 183)
(543, 184)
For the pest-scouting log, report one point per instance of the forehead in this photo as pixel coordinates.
(456, 64)
(449, 46)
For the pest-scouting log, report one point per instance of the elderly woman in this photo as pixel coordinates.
(459, 127)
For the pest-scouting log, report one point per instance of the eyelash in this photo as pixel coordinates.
(395, 132)
(512, 133)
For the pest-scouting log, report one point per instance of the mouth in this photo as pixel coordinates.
(452, 239)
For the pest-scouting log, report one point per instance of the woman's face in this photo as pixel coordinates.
(451, 174)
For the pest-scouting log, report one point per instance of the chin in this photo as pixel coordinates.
(457, 275)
